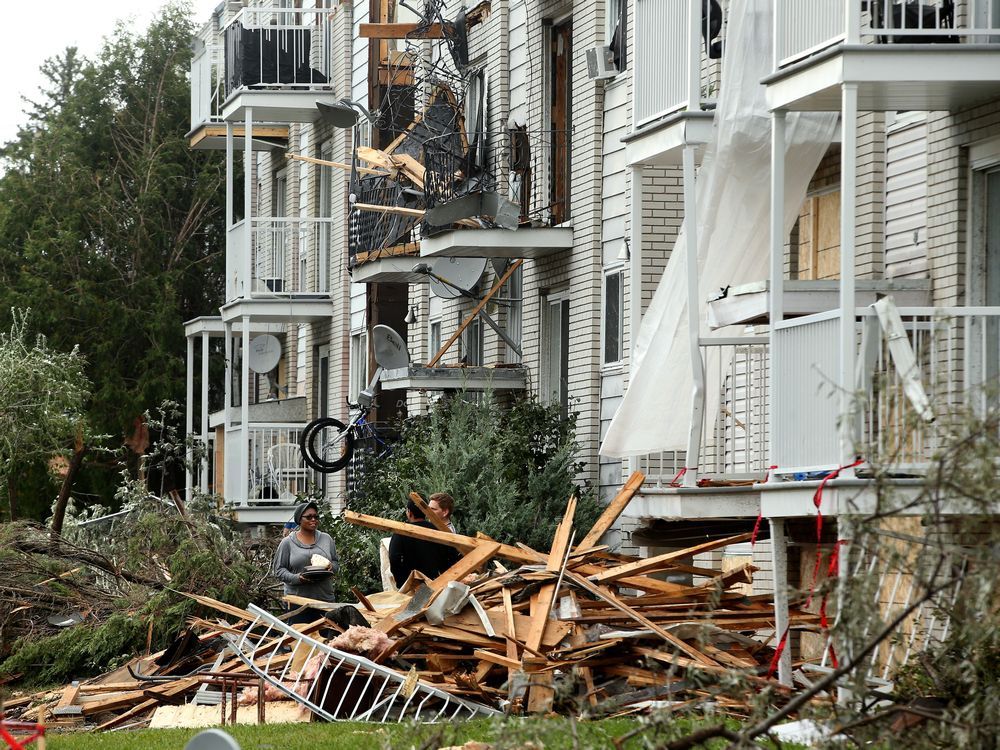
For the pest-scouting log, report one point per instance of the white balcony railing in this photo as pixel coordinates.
(957, 352)
(802, 28)
(288, 256)
(734, 436)
(676, 66)
(206, 86)
(277, 473)
(274, 48)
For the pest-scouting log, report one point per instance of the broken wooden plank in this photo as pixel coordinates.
(613, 511)
(468, 564)
(436, 521)
(660, 561)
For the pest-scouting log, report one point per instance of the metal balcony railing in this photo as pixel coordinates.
(803, 28)
(277, 472)
(274, 48)
(957, 353)
(678, 49)
(288, 256)
(735, 435)
(206, 86)
(531, 169)
(373, 233)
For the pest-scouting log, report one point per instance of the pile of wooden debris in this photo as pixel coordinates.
(506, 629)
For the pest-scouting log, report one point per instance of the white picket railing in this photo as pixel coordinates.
(288, 256)
(206, 86)
(277, 472)
(802, 28)
(667, 50)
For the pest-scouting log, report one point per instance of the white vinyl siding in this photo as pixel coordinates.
(906, 198)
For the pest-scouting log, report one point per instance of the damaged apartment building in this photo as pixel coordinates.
(703, 225)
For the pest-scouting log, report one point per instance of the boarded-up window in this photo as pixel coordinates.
(819, 236)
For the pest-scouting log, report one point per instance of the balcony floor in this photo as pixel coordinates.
(526, 242)
(275, 105)
(212, 137)
(392, 269)
(289, 309)
(890, 77)
(695, 502)
(661, 143)
(456, 378)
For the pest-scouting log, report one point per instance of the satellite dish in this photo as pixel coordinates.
(390, 349)
(265, 351)
(212, 739)
(450, 277)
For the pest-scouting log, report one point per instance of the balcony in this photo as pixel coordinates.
(507, 197)
(208, 131)
(957, 356)
(276, 62)
(733, 452)
(383, 246)
(678, 51)
(901, 54)
(276, 477)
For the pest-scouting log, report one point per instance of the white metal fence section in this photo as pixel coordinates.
(957, 353)
(805, 27)
(267, 47)
(735, 440)
(285, 254)
(206, 86)
(805, 407)
(340, 686)
(277, 472)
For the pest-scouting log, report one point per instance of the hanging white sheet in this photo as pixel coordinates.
(733, 207)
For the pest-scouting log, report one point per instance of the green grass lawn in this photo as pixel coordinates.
(552, 734)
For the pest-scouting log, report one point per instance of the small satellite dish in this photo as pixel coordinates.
(212, 739)
(265, 351)
(455, 276)
(390, 349)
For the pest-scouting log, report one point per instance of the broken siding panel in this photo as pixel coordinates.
(906, 199)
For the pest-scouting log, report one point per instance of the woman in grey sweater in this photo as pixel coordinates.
(295, 553)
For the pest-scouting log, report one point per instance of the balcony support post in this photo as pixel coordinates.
(853, 21)
(247, 254)
(848, 327)
(189, 420)
(244, 462)
(694, 319)
(779, 561)
(635, 275)
(205, 339)
(777, 270)
(694, 54)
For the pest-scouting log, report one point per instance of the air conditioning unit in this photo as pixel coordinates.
(601, 63)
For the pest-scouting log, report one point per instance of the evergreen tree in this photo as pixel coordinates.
(111, 227)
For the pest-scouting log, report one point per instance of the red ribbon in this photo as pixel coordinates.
(777, 654)
(675, 482)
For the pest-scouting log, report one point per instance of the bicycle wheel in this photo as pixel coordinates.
(327, 445)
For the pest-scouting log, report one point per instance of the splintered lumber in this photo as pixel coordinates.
(615, 508)
(468, 564)
(335, 164)
(660, 561)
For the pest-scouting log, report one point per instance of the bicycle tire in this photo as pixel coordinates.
(316, 446)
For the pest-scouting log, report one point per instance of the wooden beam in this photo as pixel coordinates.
(482, 303)
(468, 564)
(613, 511)
(661, 561)
(337, 164)
(400, 31)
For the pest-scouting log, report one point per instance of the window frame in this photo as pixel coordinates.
(609, 273)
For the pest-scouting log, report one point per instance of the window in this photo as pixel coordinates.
(616, 16)
(556, 352)
(515, 311)
(433, 338)
(359, 364)
(472, 343)
(304, 238)
(614, 314)
(300, 360)
(984, 261)
(322, 384)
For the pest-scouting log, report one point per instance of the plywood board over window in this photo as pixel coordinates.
(819, 236)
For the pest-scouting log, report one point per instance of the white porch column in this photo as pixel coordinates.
(694, 54)
(777, 270)
(204, 412)
(848, 327)
(691, 460)
(247, 250)
(244, 462)
(779, 561)
(228, 461)
(635, 276)
(189, 420)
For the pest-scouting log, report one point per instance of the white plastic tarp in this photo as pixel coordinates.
(733, 211)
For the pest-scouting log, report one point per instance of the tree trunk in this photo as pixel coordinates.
(12, 494)
(75, 462)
